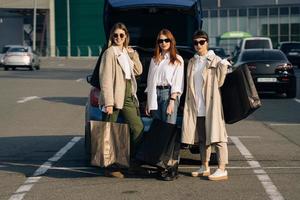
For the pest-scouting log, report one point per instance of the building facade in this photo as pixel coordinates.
(279, 19)
(75, 27)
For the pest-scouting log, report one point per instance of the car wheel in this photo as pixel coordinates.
(5, 68)
(14, 68)
(31, 68)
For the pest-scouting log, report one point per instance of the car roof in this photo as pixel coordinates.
(261, 50)
(150, 3)
(291, 42)
(257, 38)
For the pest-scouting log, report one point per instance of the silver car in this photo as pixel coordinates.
(20, 56)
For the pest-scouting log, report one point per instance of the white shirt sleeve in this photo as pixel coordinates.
(178, 79)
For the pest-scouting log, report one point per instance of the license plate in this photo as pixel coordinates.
(268, 80)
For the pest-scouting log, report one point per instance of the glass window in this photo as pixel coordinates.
(295, 38)
(273, 11)
(273, 29)
(284, 38)
(264, 30)
(205, 13)
(284, 11)
(223, 13)
(242, 12)
(232, 13)
(295, 29)
(213, 13)
(262, 55)
(252, 12)
(263, 12)
(295, 10)
(284, 29)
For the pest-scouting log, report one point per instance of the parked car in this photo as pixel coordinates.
(270, 69)
(292, 51)
(3, 51)
(155, 15)
(252, 43)
(20, 56)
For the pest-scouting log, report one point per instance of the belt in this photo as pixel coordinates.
(161, 87)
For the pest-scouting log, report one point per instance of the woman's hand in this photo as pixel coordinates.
(130, 50)
(147, 111)
(109, 110)
(170, 108)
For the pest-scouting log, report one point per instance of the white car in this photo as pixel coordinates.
(20, 56)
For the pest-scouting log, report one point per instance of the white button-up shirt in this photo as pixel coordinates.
(164, 73)
(124, 61)
(200, 64)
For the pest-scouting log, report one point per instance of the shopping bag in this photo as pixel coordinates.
(110, 144)
(239, 95)
(160, 146)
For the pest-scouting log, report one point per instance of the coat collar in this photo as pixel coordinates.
(210, 56)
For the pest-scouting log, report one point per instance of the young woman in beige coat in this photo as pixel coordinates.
(118, 68)
(203, 120)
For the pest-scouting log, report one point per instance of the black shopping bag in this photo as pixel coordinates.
(110, 144)
(160, 146)
(239, 95)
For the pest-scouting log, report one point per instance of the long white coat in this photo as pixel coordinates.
(213, 75)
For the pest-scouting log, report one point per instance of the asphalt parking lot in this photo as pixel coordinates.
(42, 145)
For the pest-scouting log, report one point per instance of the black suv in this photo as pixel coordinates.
(292, 51)
(144, 19)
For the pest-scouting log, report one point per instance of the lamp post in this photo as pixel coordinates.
(34, 26)
(68, 28)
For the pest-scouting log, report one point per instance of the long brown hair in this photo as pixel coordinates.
(122, 26)
(173, 51)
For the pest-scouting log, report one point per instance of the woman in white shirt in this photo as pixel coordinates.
(165, 79)
(164, 87)
(203, 120)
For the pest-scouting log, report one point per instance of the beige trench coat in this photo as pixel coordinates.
(213, 78)
(112, 78)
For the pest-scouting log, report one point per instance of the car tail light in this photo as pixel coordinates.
(94, 96)
(284, 67)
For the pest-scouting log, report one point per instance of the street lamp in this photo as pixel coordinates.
(34, 26)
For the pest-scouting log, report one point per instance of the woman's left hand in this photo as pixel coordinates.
(130, 50)
(170, 108)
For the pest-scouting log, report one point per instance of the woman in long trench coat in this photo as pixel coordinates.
(203, 119)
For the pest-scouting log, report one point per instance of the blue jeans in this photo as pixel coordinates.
(163, 98)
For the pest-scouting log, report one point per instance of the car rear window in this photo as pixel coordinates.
(257, 44)
(290, 47)
(263, 55)
(18, 49)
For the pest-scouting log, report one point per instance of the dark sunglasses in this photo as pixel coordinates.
(201, 42)
(116, 35)
(160, 41)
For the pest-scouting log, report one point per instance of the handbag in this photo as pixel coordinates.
(239, 95)
(160, 146)
(110, 144)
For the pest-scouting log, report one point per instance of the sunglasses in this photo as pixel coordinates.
(160, 41)
(201, 42)
(116, 35)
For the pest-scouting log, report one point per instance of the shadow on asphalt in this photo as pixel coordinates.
(24, 155)
(80, 101)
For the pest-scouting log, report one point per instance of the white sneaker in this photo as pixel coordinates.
(218, 175)
(202, 171)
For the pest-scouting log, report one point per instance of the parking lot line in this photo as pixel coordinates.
(261, 174)
(26, 99)
(29, 183)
